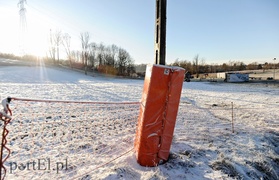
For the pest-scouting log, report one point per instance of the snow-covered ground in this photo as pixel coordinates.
(204, 146)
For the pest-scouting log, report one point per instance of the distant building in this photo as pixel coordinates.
(236, 77)
(221, 75)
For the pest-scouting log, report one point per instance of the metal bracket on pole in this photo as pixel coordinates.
(160, 31)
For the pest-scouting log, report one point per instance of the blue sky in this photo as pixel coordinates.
(218, 30)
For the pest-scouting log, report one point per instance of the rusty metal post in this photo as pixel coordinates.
(1, 150)
(3, 145)
(160, 31)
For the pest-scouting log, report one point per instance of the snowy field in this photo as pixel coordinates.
(204, 146)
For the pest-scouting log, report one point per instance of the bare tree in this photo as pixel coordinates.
(184, 63)
(92, 53)
(75, 56)
(109, 56)
(101, 54)
(57, 42)
(213, 68)
(84, 37)
(196, 65)
(124, 60)
(52, 49)
(203, 67)
(114, 50)
(66, 41)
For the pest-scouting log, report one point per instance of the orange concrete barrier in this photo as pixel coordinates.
(158, 111)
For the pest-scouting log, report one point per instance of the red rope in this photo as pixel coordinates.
(5, 131)
(63, 101)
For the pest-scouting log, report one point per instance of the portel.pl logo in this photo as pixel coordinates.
(43, 164)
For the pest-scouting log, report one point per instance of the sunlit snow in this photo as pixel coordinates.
(204, 146)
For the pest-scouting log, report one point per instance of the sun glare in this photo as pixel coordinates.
(32, 39)
(36, 36)
(36, 43)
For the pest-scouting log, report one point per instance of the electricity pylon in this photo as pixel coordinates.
(22, 26)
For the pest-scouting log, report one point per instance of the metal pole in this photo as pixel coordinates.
(274, 68)
(232, 119)
(3, 144)
(1, 150)
(160, 31)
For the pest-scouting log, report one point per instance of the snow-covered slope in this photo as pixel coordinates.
(204, 146)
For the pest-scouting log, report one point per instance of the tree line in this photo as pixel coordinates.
(109, 59)
(198, 66)
(112, 59)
